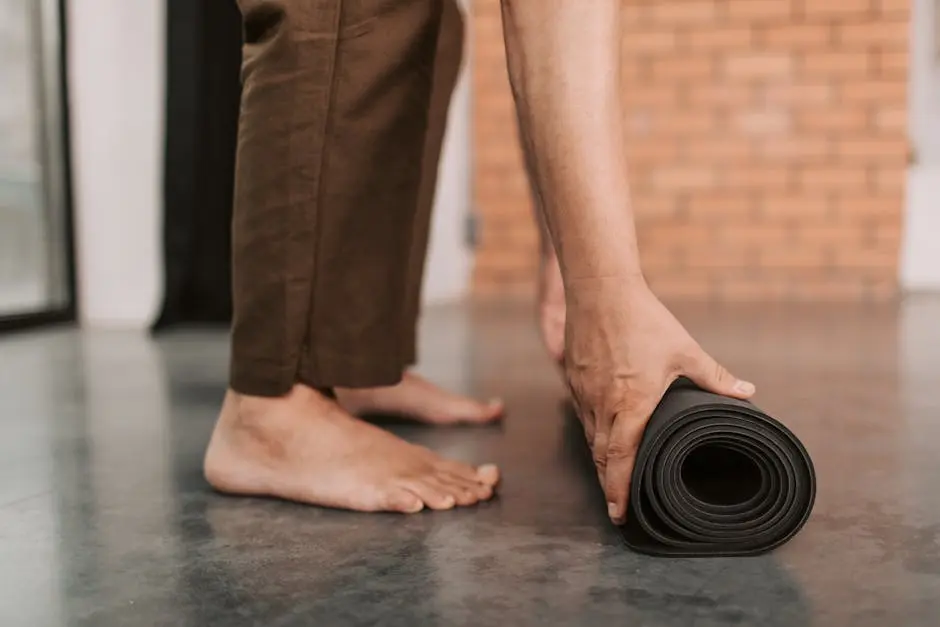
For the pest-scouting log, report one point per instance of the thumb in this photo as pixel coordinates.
(709, 375)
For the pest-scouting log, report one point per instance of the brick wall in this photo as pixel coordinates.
(767, 148)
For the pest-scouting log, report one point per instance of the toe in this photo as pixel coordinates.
(470, 410)
(464, 471)
(403, 501)
(480, 491)
(489, 411)
(432, 493)
(464, 493)
(488, 474)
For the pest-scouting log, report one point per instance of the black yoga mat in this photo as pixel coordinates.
(716, 476)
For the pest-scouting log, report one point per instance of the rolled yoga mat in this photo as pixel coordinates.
(716, 476)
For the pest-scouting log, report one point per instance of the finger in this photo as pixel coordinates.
(589, 431)
(598, 437)
(599, 453)
(709, 375)
(621, 453)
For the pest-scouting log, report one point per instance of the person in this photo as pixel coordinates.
(343, 109)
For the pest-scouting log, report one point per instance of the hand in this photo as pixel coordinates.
(623, 349)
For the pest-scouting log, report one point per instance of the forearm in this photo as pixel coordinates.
(564, 67)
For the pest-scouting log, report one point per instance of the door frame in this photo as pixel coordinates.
(920, 256)
(50, 42)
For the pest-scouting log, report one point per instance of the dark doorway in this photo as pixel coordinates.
(203, 91)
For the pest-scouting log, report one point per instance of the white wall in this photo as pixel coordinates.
(116, 64)
(449, 262)
(920, 259)
(116, 79)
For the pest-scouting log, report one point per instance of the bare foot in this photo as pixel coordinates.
(303, 447)
(552, 307)
(419, 399)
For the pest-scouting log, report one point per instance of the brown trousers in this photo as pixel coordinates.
(343, 112)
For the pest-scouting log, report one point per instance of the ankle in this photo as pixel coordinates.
(244, 409)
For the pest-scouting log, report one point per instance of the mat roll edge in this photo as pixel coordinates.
(758, 480)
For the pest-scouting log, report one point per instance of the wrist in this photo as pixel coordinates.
(625, 281)
(600, 253)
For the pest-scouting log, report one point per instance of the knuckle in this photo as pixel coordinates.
(619, 450)
(719, 371)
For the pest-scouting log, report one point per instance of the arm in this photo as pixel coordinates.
(564, 67)
(622, 346)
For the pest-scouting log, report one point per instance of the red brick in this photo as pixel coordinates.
(857, 257)
(656, 206)
(767, 65)
(740, 255)
(651, 150)
(678, 177)
(874, 91)
(889, 179)
(681, 67)
(751, 235)
(776, 207)
(718, 207)
(863, 206)
(798, 94)
(762, 123)
(498, 154)
(895, 64)
(891, 149)
(684, 122)
(632, 15)
(797, 147)
(887, 233)
(835, 64)
(832, 119)
(517, 233)
(634, 69)
(767, 213)
(710, 148)
(709, 94)
(718, 38)
(696, 12)
(659, 259)
(754, 11)
(828, 233)
(832, 178)
(680, 288)
(835, 8)
(652, 95)
(894, 8)
(797, 36)
(803, 257)
(646, 42)
(641, 177)
(676, 235)
(756, 177)
(499, 258)
(891, 119)
(888, 34)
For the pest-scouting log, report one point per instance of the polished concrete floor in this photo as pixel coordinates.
(106, 521)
